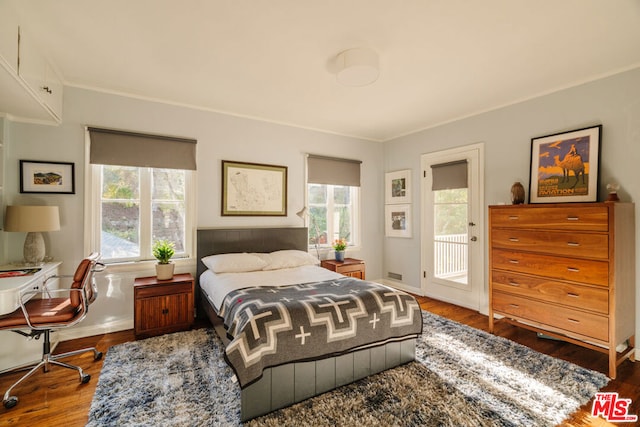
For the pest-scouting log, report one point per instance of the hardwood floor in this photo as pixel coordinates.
(58, 398)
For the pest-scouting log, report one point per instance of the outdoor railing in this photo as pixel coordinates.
(450, 255)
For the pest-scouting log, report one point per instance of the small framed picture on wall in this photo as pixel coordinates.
(398, 187)
(398, 220)
(47, 177)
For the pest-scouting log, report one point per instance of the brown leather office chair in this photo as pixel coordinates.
(42, 315)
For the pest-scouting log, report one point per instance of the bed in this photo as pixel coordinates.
(281, 382)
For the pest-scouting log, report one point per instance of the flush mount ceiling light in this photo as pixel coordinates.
(357, 67)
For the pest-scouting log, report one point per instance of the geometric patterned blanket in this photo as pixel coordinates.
(269, 326)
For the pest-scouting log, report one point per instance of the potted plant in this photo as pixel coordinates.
(163, 250)
(339, 247)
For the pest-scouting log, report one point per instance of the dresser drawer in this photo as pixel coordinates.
(574, 244)
(594, 218)
(569, 294)
(563, 318)
(159, 289)
(564, 268)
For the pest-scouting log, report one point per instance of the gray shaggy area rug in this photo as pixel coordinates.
(461, 377)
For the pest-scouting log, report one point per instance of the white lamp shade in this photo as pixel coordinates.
(32, 218)
(357, 67)
(302, 213)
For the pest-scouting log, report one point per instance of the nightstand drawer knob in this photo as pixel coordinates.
(165, 311)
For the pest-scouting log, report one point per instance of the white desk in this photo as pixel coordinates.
(12, 287)
(17, 350)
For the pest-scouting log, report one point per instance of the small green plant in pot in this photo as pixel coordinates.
(339, 246)
(163, 250)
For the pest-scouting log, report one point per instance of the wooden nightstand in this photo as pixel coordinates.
(163, 306)
(349, 267)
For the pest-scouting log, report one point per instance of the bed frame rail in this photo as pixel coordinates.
(295, 382)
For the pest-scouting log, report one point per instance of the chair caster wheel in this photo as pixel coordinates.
(10, 402)
(98, 356)
(85, 378)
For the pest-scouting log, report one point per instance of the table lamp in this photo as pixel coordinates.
(33, 220)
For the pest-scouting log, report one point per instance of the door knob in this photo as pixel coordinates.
(474, 238)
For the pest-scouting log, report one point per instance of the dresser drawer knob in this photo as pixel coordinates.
(573, 218)
(514, 239)
(572, 295)
(514, 217)
(514, 261)
(573, 244)
(573, 269)
(573, 320)
(512, 283)
(514, 305)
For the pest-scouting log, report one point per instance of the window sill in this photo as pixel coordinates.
(185, 264)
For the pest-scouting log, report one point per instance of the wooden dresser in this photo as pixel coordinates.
(567, 270)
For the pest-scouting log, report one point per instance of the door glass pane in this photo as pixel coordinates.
(120, 236)
(450, 245)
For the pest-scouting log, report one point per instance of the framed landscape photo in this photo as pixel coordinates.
(397, 220)
(253, 189)
(398, 187)
(565, 166)
(47, 177)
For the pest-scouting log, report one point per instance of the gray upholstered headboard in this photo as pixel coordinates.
(212, 241)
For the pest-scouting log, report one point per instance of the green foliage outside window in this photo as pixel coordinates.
(450, 212)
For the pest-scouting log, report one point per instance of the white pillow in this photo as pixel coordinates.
(234, 263)
(290, 258)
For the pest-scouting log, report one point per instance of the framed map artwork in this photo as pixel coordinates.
(253, 189)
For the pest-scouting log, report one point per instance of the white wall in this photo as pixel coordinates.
(613, 102)
(219, 137)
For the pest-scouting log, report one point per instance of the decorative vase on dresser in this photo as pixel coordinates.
(567, 270)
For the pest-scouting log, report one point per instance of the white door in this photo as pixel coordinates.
(452, 226)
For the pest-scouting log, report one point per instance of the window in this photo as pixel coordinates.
(333, 190)
(333, 213)
(139, 206)
(131, 206)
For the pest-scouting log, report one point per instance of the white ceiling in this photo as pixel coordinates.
(440, 60)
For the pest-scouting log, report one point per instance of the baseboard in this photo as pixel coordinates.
(399, 285)
(450, 301)
(91, 330)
